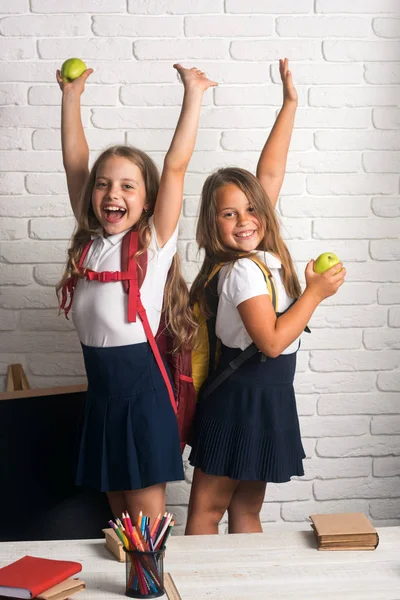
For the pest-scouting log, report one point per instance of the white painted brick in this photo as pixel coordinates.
(193, 184)
(389, 294)
(357, 488)
(57, 364)
(356, 360)
(177, 493)
(46, 183)
(139, 118)
(65, 26)
(10, 359)
(31, 161)
(386, 118)
(15, 274)
(94, 95)
(269, 6)
(73, 6)
(17, 6)
(28, 297)
(329, 383)
(302, 361)
(187, 228)
(44, 320)
(356, 50)
(231, 72)
(381, 339)
(48, 274)
(247, 140)
(306, 404)
(30, 116)
(389, 382)
(191, 206)
(46, 341)
(151, 95)
(386, 467)
(326, 207)
(349, 316)
(320, 427)
(34, 252)
(386, 207)
(394, 317)
(334, 339)
(357, 6)
(151, 141)
(323, 162)
(346, 118)
(321, 74)
(375, 403)
(270, 50)
(385, 249)
(12, 93)
(15, 139)
(229, 26)
(13, 229)
(333, 468)
(317, 26)
(34, 206)
(48, 139)
(309, 447)
(350, 184)
(29, 71)
(240, 118)
(295, 228)
(382, 72)
(175, 7)
(354, 294)
(190, 272)
(360, 96)
(359, 446)
(17, 49)
(293, 185)
(381, 162)
(263, 95)
(386, 27)
(281, 492)
(193, 253)
(89, 48)
(270, 513)
(51, 229)
(300, 511)
(8, 320)
(357, 140)
(386, 425)
(355, 228)
(180, 49)
(109, 26)
(383, 509)
(11, 183)
(378, 271)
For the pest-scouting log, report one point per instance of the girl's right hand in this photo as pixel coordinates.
(325, 284)
(77, 85)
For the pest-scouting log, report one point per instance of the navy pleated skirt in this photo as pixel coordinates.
(248, 428)
(130, 437)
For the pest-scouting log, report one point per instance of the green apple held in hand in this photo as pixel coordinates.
(325, 261)
(72, 68)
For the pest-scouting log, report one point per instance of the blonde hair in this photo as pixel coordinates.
(179, 319)
(209, 240)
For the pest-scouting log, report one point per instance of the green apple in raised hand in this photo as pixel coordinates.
(325, 261)
(72, 68)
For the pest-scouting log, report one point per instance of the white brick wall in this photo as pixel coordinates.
(341, 193)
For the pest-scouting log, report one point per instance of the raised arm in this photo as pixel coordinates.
(272, 164)
(169, 200)
(75, 150)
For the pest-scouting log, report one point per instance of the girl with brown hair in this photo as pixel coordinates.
(130, 443)
(246, 428)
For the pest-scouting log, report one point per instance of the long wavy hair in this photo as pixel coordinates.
(209, 240)
(179, 319)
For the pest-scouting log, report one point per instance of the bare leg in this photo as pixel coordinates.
(245, 506)
(209, 498)
(150, 500)
(117, 503)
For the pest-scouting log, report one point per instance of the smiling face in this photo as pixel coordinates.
(119, 194)
(238, 225)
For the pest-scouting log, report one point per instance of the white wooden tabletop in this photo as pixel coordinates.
(279, 564)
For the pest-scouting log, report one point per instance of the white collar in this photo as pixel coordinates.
(112, 239)
(270, 260)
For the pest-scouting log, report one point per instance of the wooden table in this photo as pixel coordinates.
(280, 564)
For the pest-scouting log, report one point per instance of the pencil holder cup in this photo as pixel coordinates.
(144, 574)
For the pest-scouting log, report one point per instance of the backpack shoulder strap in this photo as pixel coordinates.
(69, 286)
(269, 280)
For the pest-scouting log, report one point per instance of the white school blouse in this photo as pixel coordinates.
(240, 282)
(100, 310)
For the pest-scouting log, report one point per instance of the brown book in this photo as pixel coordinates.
(344, 531)
(63, 590)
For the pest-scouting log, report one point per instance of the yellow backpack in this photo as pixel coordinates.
(206, 356)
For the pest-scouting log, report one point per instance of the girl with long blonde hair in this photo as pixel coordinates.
(246, 429)
(130, 443)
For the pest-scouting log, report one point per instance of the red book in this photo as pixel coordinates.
(29, 576)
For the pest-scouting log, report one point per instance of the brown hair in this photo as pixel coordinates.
(209, 240)
(180, 321)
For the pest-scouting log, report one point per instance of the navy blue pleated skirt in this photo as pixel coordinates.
(248, 428)
(130, 437)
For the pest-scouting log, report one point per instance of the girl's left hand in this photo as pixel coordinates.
(194, 78)
(289, 91)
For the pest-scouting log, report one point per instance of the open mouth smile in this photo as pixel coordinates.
(113, 213)
(245, 235)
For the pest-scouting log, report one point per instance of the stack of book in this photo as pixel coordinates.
(344, 531)
(43, 578)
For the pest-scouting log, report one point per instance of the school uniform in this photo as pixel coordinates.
(248, 428)
(130, 437)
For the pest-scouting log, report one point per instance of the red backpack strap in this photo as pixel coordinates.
(130, 246)
(69, 286)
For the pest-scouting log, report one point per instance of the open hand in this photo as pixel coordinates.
(327, 283)
(289, 91)
(77, 84)
(194, 78)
